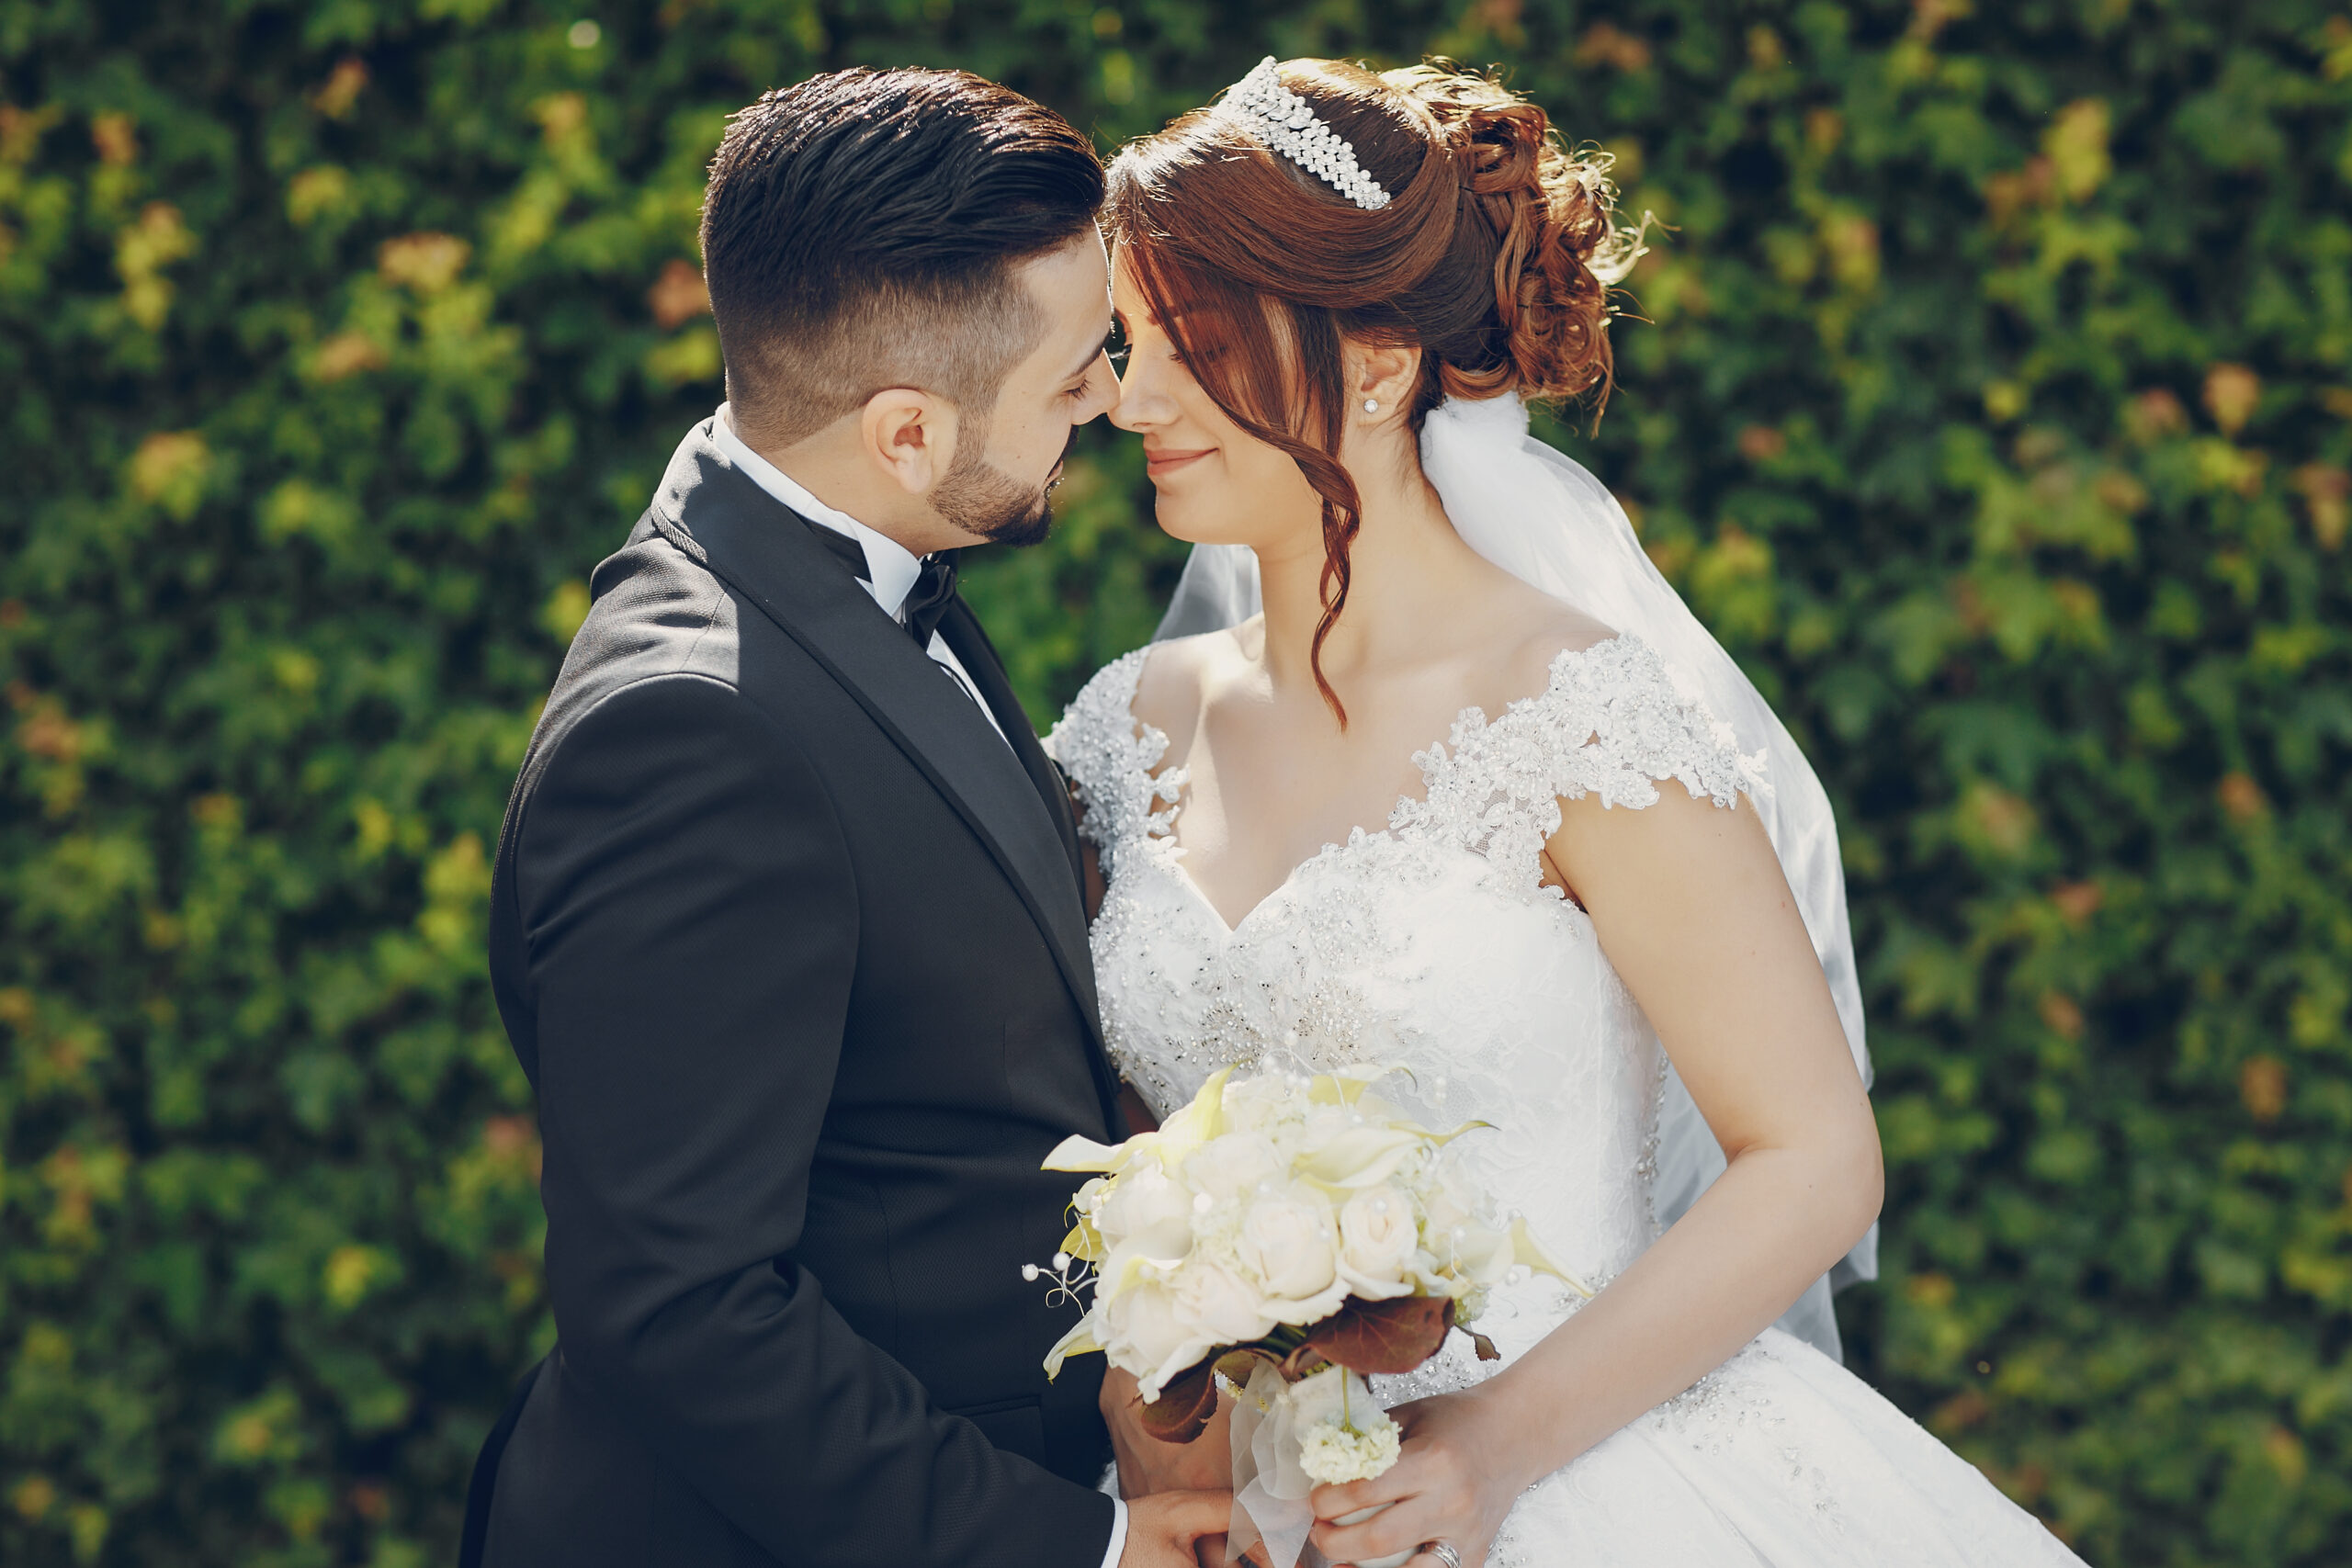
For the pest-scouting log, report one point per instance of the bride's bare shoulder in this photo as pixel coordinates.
(1541, 629)
(1178, 674)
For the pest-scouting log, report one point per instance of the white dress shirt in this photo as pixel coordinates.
(891, 572)
(890, 568)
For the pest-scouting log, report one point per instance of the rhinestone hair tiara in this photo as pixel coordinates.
(1281, 118)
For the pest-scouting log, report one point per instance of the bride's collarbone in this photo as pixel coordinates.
(1270, 781)
(1256, 806)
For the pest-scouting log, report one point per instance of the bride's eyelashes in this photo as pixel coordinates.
(1190, 363)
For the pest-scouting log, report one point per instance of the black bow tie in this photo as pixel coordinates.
(926, 602)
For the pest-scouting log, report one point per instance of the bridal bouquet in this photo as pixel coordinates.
(1290, 1236)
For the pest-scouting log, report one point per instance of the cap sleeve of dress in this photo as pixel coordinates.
(1611, 722)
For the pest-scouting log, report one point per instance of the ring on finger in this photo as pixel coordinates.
(1443, 1552)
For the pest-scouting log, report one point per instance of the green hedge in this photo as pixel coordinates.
(1993, 403)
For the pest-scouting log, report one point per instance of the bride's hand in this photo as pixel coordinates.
(1455, 1481)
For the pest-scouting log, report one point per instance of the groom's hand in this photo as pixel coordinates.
(1163, 1528)
(1147, 1465)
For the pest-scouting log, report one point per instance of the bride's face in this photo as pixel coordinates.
(1217, 483)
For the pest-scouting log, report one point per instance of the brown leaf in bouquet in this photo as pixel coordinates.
(1185, 1405)
(1384, 1337)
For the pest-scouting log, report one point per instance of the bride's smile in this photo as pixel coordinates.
(1162, 464)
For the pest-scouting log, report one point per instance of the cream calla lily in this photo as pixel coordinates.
(1364, 1157)
(1075, 1153)
(1079, 1341)
(1196, 1124)
(1533, 1253)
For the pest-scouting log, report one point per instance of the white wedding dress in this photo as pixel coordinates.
(1434, 946)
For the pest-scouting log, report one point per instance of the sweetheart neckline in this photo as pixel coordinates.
(1156, 740)
(1172, 855)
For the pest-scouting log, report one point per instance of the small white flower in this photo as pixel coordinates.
(1332, 1452)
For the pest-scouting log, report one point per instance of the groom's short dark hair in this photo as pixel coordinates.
(860, 233)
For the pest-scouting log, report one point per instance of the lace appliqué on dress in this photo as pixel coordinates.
(1108, 754)
(1609, 722)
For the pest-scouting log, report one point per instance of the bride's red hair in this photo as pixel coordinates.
(1493, 258)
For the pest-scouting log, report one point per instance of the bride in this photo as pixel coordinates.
(1474, 793)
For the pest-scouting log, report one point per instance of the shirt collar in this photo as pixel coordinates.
(890, 567)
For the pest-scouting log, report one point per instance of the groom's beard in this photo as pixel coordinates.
(984, 500)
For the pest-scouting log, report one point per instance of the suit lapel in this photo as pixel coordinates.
(970, 642)
(764, 551)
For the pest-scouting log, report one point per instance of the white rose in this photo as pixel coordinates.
(1147, 1213)
(1143, 1328)
(1377, 1240)
(1286, 1240)
(1235, 1164)
(1214, 1305)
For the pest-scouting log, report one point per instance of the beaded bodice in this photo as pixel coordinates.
(1432, 945)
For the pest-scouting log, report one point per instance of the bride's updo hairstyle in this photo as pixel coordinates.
(1493, 256)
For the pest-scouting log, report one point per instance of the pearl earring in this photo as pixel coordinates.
(1371, 405)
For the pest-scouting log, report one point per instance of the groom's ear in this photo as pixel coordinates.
(910, 436)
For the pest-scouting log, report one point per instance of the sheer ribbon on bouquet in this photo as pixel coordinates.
(1270, 1512)
(1546, 520)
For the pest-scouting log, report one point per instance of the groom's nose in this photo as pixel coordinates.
(1103, 390)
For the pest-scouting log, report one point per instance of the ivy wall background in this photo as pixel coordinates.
(1993, 399)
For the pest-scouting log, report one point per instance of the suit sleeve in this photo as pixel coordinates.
(691, 926)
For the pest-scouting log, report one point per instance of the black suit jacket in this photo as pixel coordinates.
(792, 948)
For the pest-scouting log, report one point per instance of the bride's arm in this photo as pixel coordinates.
(1694, 913)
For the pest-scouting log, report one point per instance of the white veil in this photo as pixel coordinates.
(1546, 521)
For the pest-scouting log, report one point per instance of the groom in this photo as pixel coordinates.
(787, 927)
